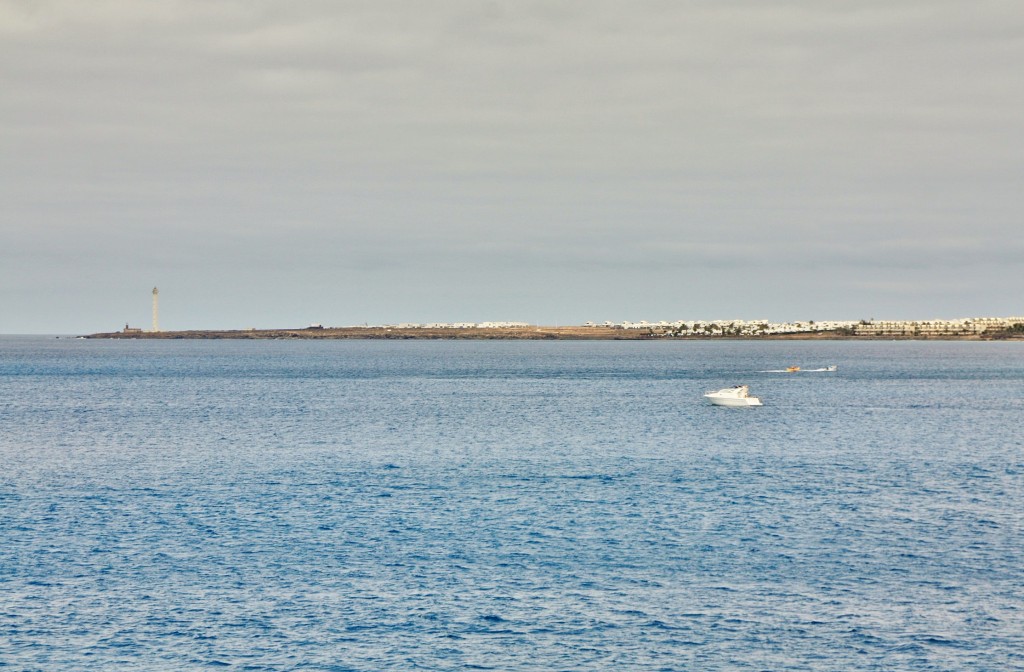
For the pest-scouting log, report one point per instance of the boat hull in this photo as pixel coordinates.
(737, 395)
(733, 402)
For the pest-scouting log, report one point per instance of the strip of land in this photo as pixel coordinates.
(579, 333)
(398, 333)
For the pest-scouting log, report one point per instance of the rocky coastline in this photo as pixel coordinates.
(577, 333)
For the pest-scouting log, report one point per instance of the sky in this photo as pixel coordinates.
(274, 164)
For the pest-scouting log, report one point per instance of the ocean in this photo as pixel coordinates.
(507, 505)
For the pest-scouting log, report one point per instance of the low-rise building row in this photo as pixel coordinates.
(733, 327)
(967, 326)
(924, 328)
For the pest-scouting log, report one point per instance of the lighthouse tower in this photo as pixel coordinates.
(156, 309)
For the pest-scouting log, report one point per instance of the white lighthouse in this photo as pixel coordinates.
(156, 309)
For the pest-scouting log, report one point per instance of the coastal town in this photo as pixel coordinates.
(967, 328)
(964, 327)
(970, 328)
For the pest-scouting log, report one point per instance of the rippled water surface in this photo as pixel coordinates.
(376, 505)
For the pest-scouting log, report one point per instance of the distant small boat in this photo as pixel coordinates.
(797, 369)
(738, 395)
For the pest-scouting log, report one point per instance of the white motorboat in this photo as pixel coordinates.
(738, 395)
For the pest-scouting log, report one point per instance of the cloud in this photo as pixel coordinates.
(577, 136)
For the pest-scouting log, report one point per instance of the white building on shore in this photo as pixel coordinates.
(971, 326)
(968, 326)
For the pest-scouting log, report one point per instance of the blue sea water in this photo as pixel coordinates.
(374, 505)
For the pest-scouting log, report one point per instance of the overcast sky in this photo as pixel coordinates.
(273, 164)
